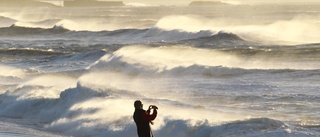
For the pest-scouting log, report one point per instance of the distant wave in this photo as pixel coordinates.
(140, 5)
(12, 54)
(191, 62)
(154, 36)
(28, 52)
(49, 23)
(6, 18)
(218, 40)
(5, 21)
(202, 38)
(119, 65)
(223, 36)
(56, 61)
(122, 36)
(18, 31)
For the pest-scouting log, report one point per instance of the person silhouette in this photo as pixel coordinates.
(142, 119)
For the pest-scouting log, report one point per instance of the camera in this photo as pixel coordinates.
(153, 107)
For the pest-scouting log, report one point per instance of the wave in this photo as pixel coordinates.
(96, 111)
(292, 31)
(151, 36)
(222, 36)
(190, 61)
(206, 82)
(28, 52)
(296, 28)
(24, 31)
(49, 23)
(49, 109)
(60, 62)
(23, 128)
(119, 65)
(203, 38)
(219, 40)
(141, 5)
(122, 36)
(70, 115)
(257, 126)
(99, 103)
(52, 27)
(6, 22)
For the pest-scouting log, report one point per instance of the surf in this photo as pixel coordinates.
(212, 71)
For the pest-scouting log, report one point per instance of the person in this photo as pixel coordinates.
(142, 119)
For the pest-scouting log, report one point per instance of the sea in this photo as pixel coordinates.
(213, 71)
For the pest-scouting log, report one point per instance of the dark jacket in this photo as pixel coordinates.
(142, 119)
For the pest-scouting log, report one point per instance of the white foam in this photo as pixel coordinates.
(45, 86)
(170, 57)
(299, 30)
(20, 128)
(141, 59)
(9, 71)
(180, 80)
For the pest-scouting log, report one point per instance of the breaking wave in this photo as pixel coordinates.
(212, 72)
(73, 112)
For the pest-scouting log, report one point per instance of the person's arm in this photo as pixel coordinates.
(147, 117)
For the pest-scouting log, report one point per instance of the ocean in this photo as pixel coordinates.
(213, 71)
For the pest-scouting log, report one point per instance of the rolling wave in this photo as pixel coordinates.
(49, 23)
(156, 36)
(122, 36)
(14, 54)
(93, 109)
(25, 31)
(29, 52)
(116, 64)
(257, 126)
(157, 62)
(59, 61)
(151, 36)
(5, 21)
(219, 40)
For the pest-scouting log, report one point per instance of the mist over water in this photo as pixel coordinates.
(231, 70)
(267, 24)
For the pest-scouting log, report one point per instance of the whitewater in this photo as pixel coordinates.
(213, 71)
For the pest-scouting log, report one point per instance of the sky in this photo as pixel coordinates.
(186, 2)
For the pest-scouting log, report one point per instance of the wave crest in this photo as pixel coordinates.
(256, 126)
(15, 30)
